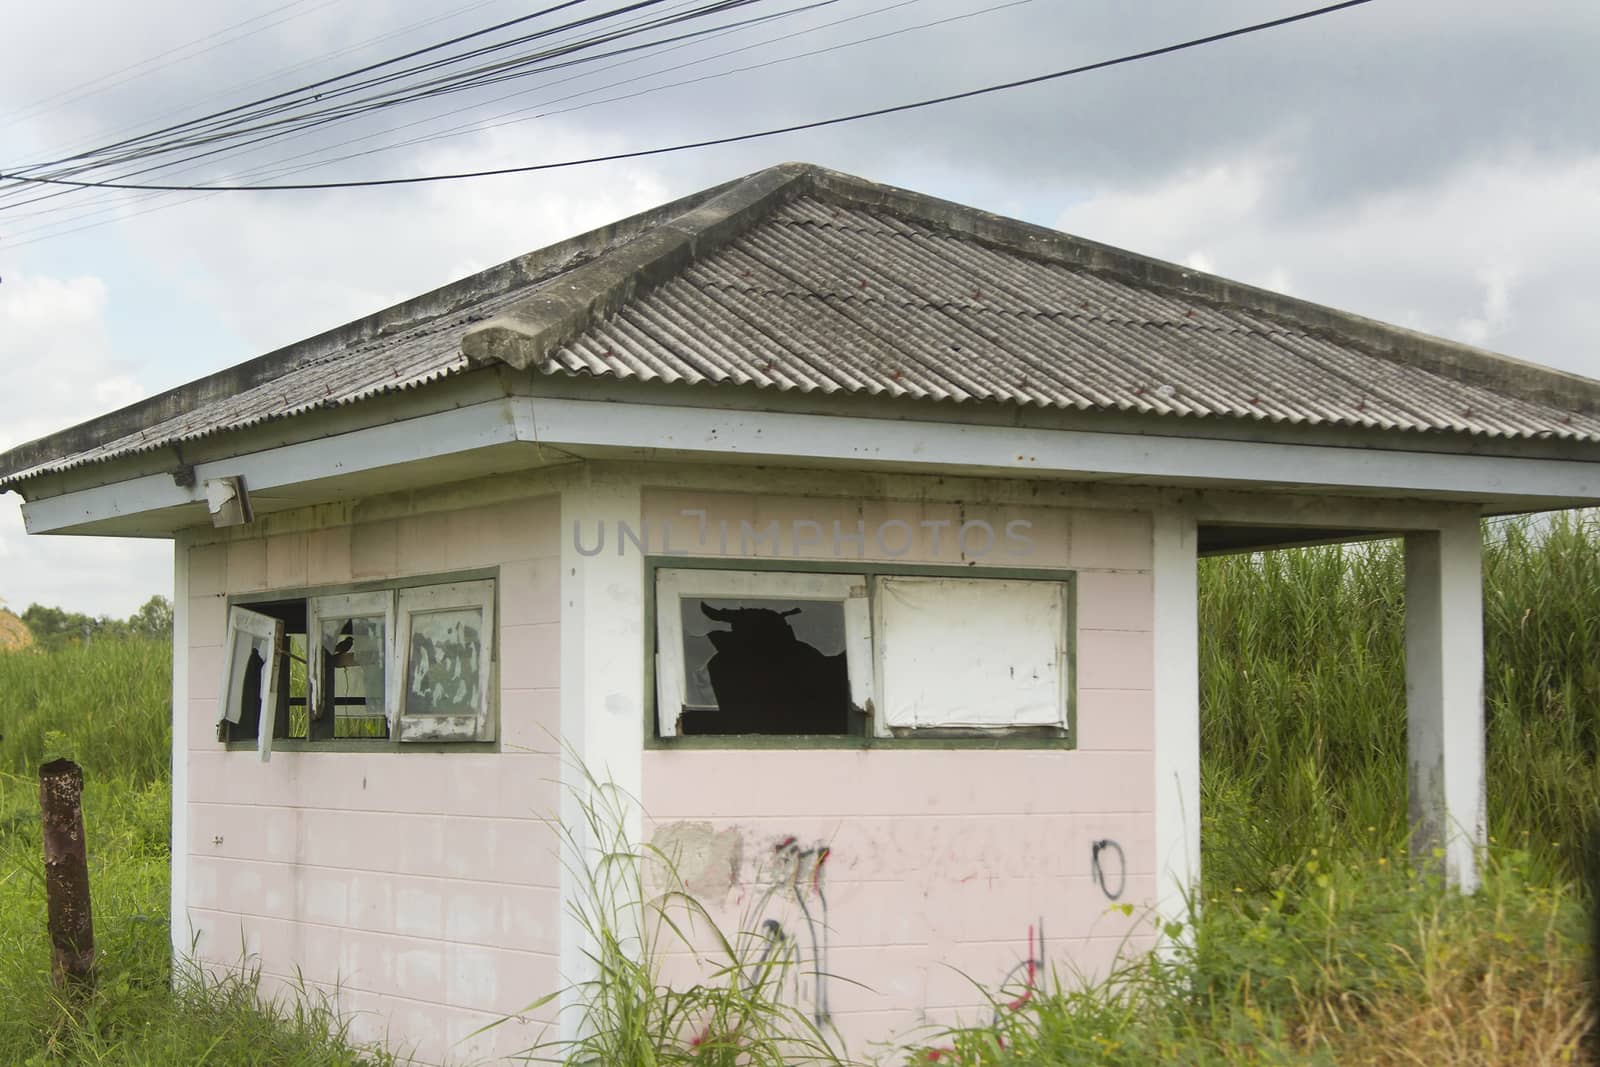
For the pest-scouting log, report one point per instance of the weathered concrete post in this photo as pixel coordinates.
(66, 874)
(1444, 697)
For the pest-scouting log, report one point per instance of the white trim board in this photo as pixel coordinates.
(663, 431)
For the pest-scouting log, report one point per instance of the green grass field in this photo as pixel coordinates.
(1316, 944)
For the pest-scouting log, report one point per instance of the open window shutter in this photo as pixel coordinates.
(249, 685)
(445, 687)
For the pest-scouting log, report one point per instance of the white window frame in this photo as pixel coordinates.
(416, 600)
(351, 605)
(674, 584)
(260, 629)
(885, 650)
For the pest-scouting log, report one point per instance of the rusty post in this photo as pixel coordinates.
(66, 874)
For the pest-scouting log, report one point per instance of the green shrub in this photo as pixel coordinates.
(1338, 963)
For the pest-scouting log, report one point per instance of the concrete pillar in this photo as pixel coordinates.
(1177, 703)
(602, 689)
(1444, 696)
(178, 885)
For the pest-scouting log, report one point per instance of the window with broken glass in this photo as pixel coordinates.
(412, 663)
(760, 652)
(876, 654)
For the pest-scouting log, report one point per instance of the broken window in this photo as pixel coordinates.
(241, 692)
(783, 652)
(447, 633)
(248, 701)
(971, 653)
(756, 652)
(352, 647)
(410, 664)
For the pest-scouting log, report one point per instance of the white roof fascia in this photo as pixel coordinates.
(843, 441)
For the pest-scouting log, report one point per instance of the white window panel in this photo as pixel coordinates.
(254, 641)
(971, 652)
(447, 641)
(676, 690)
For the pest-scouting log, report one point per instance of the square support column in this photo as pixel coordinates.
(602, 690)
(1444, 696)
(178, 886)
(1177, 710)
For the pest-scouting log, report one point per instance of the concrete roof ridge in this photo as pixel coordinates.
(526, 332)
(527, 269)
(1397, 344)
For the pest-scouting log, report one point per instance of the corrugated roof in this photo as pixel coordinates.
(406, 359)
(832, 298)
(820, 283)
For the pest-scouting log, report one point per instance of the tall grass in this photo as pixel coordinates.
(106, 703)
(635, 915)
(1342, 963)
(1303, 737)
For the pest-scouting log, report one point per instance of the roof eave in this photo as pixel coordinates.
(522, 271)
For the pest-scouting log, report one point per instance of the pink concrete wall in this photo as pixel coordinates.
(422, 885)
(940, 863)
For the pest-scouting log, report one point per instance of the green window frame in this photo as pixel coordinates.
(1061, 736)
(479, 589)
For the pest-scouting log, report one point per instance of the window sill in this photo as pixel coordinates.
(355, 744)
(847, 741)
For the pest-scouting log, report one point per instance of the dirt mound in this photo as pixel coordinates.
(14, 633)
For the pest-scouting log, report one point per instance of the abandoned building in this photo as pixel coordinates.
(851, 531)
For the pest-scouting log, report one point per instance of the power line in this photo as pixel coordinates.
(508, 118)
(221, 127)
(46, 230)
(329, 81)
(308, 120)
(297, 124)
(88, 88)
(287, 165)
(280, 72)
(96, 210)
(715, 141)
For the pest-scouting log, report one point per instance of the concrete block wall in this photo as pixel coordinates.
(422, 888)
(419, 888)
(919, 872)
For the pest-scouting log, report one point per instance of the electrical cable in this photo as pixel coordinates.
(715, 141)
(86, 89)
(315, 119)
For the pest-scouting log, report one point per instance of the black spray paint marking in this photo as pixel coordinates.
(1098, 871)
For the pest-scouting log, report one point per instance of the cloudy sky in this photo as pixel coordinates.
(1429, 163)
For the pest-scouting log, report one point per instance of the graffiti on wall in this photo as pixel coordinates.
(1105, 847)
(781, 888)
(792, 914)
(1108, 867)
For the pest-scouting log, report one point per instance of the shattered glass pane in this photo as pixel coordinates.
(353, 673)
(764, 665)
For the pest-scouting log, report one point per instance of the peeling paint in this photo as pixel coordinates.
(706, 860)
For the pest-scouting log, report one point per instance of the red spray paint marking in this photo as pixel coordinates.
(816, 872)
(1033, 964)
